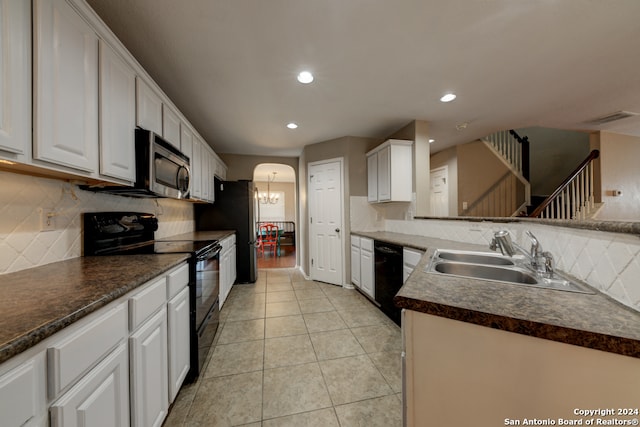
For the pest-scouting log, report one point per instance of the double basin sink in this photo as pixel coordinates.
(496, 268)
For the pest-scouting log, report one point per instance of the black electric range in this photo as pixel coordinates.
(130, 233)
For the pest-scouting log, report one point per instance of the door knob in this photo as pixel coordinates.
(337, 230)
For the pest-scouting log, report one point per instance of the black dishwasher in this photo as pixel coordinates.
(388, 268)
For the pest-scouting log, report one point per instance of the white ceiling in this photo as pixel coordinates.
(230, 66)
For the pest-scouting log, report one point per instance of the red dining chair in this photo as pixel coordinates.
(268, 236)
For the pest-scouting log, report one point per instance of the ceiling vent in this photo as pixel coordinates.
(618, 115)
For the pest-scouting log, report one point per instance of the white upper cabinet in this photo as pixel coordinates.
(148, 107)
(186, 142)
(390, 172)
(196, 181)
(117, 115)
(65, 87)
(15, 78)
(170, 126)
(372, 177)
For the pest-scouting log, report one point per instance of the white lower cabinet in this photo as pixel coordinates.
(178, 341)
(362, 259)
(100, 398)
(227, 267)
(502, 375)
(355, 260)
(23, 400)
(119, 366)
(149, 373)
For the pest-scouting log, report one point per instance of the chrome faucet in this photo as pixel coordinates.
(540, 261)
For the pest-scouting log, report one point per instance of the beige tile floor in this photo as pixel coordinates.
(291, 352)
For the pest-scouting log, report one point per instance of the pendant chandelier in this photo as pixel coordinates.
(269, 198)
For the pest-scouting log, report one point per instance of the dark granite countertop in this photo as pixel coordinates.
(588, 320)
(38, 302)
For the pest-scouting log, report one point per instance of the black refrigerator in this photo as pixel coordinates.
(235, 208)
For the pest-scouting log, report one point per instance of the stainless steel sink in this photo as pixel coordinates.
(497, 268)
(474, 257)
(486, 272)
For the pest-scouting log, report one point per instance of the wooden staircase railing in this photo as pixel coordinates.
(513, 148)
(574, 198)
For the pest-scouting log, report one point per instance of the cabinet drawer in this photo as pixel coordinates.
(355, 241)
(83, 348)
(411, 257)
(366, 244)
(146, 302)
(177, 280)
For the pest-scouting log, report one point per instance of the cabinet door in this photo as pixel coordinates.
(149, 372)
(355, 265)
(384, 174)
(367, 272)
(117, 115)
(196, 181)
(101, 398)
(204, 170)
(186, 144)
(23, 399)
(148, 107)
(66, 87)
(225, 275)
(15, 78)
(232, 266)
(372, 177)
(178, 341)
(212, 170)
(170, 126)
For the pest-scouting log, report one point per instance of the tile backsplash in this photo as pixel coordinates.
(23, 244)
(608, 261)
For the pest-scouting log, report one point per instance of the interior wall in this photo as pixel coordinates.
(449, 158)
(619, 156)
(289, 190)
(478, 169)
(241, 166)
(353, 152)
(24, 245)
(554, 155)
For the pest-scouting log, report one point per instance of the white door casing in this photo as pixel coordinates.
(326, 236)
(439, 184)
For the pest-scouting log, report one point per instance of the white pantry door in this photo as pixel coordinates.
(325, 221)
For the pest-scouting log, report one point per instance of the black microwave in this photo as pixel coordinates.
(161, 170)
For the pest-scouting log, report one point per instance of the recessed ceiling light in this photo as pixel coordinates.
(292, 125)
(431, 141)
(305, 77)
(448, 97)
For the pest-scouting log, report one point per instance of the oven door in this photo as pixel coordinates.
(205, 309)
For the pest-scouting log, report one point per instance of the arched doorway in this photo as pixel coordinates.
(277, 204)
